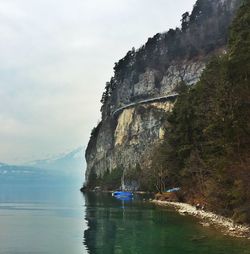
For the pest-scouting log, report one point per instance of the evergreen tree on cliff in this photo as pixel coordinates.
(201, 136)
(209, 139)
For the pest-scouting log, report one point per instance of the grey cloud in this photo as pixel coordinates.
(55, 57)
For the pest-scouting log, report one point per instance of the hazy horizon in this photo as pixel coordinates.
(55, 60)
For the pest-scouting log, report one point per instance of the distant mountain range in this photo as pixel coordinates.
(66, 162)
(62, 169)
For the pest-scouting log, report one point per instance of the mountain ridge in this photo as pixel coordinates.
(60, 169)
(56, 162)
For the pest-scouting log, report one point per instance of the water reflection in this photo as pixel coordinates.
(120, 226)
(106, 216)
(133, 226)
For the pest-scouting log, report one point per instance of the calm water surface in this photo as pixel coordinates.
(60, 220)
(41, 220)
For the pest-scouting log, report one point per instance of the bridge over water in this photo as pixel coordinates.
(151, 100)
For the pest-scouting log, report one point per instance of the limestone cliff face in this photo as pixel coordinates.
(142, 92)
(133, 133)
(126, 139)
(153, 83)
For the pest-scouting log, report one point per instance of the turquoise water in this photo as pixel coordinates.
(60, 220)
(137, 227)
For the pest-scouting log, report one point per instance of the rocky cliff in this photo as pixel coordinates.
(144, 87)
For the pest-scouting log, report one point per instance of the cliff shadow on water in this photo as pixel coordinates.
(116, 226)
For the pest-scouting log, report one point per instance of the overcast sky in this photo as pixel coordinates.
(55, 57)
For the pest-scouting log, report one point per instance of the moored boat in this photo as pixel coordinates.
(122, 194)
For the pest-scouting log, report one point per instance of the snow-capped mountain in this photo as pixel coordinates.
(62, 169)
(65, 163)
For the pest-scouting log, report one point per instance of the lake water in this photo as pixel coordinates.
(60, 220)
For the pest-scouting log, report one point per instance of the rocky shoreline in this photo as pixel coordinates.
(226, 225)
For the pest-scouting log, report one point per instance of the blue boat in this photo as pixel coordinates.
(122, 194)
(124, 198)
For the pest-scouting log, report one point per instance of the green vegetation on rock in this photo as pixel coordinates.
(202, 32)
(207, 147)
